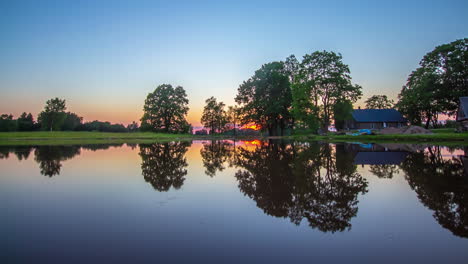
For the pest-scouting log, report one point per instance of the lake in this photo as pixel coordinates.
(239, 202)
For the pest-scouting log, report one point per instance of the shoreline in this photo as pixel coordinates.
(72, 137)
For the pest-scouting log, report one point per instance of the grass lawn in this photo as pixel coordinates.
(440, 136)
(72, 137)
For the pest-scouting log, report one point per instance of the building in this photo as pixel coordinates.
(462, 113)
(375, 119)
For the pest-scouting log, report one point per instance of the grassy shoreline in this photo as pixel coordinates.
(65, 137)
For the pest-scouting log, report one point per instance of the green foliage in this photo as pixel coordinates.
(7, 123)
(25, 122)
(165, 110)
(379, 102)
(133, 127)
(214, 116)
(101, 127)
(71, 122)
(53, 115)
(233, 117)
(326, 80)
(435, 87)
(265, 98)
(305, 113)
(342, 111)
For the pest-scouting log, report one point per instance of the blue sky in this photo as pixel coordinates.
(104, 57)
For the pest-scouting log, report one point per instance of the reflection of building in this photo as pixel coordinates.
(380, 158)
(375, 119)
(374, 154)
(462, 113)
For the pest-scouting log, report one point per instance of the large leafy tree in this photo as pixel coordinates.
(165, 110)
(266, 97)
(214, 115)
(379, 102)
(53, 115)
(435, 87)
(322, 81)
(420, 98)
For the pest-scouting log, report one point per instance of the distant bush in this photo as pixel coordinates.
(201, 132)
(101, 127)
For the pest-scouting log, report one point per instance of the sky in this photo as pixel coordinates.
(104, 57)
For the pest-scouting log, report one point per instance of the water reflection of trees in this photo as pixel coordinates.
(50, 157)
(214, 156)
(164, 164)
(441, 185)
(314, 181)
(384, 171)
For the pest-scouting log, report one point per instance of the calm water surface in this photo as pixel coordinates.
(239, 202)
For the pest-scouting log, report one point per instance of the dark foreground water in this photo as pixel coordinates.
(239, 202)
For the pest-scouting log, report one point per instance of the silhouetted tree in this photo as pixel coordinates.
(214, 116)
(265, 98)
(379, 102)
(53, 115)
(322, 81)
(71, 122)
(165, 110)
(435, 87)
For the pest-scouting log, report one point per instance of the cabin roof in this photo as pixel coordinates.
(377, 115)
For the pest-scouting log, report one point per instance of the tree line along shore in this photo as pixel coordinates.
(283, 98)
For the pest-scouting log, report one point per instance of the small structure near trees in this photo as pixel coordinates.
(375, 119)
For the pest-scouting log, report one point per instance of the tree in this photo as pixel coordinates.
(265, 98)
(71, 122)
(53, 115)
(25, 122)
(323, 80)
(133, 127)
(233, 115)
(342, 111)
(419, 98)
(379, 102)
(435, 87)
(165, 110)
(214, 115)
(7, 123)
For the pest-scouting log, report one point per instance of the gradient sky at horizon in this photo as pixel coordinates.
(104, 57)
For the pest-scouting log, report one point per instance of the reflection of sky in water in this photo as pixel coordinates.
(101, 206)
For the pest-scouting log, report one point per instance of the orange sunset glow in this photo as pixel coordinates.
(251, 126)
